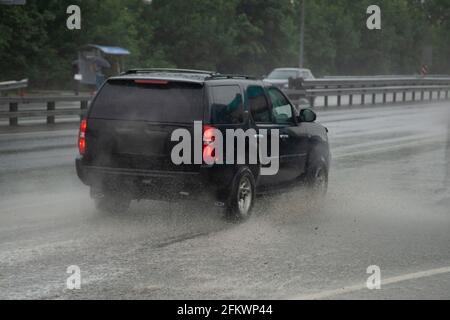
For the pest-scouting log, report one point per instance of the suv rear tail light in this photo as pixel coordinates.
(209, 153)
(82, 137)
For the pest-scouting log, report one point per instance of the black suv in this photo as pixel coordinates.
(125, 142)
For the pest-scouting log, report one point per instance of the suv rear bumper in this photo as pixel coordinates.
(207, 185)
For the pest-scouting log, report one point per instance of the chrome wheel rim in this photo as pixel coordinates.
(245, 196)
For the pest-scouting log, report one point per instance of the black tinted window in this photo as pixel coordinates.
(258, 104)
(170, 102)
(227, 105)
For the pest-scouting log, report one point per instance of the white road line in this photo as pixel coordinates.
(37, 205)
(359, 287)
(336, 155)
(39, 134)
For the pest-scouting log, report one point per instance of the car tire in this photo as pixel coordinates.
(112, 203)
(242, 196)
(317, 179)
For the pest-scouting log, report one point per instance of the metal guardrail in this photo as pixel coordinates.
(299, 89)
(387, 76)
(13, 85)
(351, 86)
(50, 113)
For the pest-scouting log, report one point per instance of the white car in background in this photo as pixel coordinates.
(280, 77)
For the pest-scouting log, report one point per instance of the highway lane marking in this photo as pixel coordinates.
(392, 141)
(337, 156)
(352, 118)
(414, 105)
(382, 109)
(39, 134)
(38, 149)
(359, 287)
(39, 204)
(337, 153)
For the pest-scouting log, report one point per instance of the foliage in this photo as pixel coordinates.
(238, 36)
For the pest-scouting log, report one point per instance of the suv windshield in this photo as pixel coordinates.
(171, 102)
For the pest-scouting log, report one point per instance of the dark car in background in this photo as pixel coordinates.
(125, 141)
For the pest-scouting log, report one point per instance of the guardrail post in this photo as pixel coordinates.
(51, 107)
(13, 107)
(402, 89)
(83, 108)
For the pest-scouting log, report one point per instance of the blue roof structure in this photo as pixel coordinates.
(116, 51)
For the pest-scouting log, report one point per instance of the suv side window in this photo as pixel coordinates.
(258, 104)
(281, 108)
(227, 107)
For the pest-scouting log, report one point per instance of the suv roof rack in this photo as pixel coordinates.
(210, 75)
(169, 70)
(219, 76)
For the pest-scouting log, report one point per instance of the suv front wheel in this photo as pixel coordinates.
(242, 196)
(317, 181)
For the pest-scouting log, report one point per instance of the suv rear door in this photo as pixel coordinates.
(131, 121)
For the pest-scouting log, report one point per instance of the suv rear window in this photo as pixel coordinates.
(171, 102)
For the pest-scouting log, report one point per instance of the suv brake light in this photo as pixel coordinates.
(159, 82)
(82, 137)
(209, 153)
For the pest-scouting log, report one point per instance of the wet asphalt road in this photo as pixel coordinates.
(388, 205)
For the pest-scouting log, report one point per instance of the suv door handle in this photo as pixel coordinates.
(284, 136)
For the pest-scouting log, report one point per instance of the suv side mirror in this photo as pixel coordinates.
(307, 115)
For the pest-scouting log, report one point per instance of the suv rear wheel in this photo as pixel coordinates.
(242, 196)
(110, 202)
